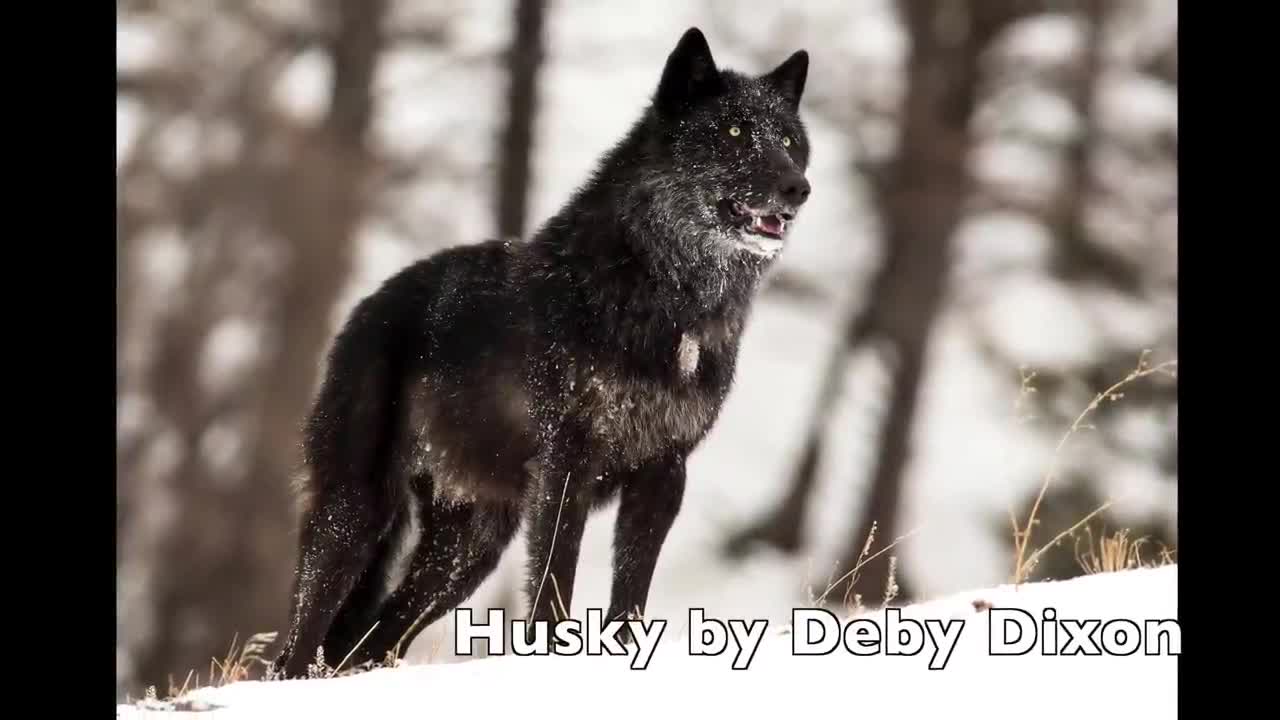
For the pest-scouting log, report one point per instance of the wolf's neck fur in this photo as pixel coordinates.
(665, 235)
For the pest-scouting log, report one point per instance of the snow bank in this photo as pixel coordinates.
(1123, 677)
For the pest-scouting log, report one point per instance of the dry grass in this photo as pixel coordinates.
(1025, 558)
(1117, 552)
(852, 602)
(238, 665)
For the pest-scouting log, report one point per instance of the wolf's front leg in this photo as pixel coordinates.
(557, 517)
(651, 498)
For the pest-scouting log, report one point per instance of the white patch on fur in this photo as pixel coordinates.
(402, 557)
(687, 355)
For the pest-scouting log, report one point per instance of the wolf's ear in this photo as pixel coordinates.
(690, 73)
(789, 77)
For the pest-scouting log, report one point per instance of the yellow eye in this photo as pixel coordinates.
(735, 131)
(786, 141)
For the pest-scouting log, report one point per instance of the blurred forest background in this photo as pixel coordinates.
(991, 241)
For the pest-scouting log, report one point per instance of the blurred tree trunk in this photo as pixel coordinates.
(524, 61)
(231, 551)
(1078, 258)
(923, 198)
(922, 195)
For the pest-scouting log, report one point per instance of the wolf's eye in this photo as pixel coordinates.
(786, 141)
(735, 131)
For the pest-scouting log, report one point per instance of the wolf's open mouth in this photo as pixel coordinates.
(757, 222)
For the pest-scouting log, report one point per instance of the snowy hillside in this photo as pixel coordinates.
(1120, 676)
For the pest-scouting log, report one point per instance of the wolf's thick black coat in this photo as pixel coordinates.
(502, 382)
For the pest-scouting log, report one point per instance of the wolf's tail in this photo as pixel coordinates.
(349, 438)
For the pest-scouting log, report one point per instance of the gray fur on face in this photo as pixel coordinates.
(733, 148)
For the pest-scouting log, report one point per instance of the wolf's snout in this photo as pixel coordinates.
(793, 188)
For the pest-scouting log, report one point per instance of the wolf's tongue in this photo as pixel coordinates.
(771, 224)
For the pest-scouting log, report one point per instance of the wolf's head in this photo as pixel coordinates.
(735, 148)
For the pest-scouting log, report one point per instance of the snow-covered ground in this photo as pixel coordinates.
(1133, 676)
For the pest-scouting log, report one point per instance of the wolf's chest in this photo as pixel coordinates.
(640, 417)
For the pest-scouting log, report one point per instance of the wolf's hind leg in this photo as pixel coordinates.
(387, 571)
(461, 546)
(340, 534)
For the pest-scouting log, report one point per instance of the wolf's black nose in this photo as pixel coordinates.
(793, 188)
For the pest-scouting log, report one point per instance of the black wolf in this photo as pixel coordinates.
(498, 383)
